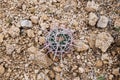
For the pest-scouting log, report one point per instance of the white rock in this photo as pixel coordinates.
(103, 21)
(34, 19)
(81, 46)
(103, 41)
(1, 37)
(92, 19)
(26, 23)
(92, 6)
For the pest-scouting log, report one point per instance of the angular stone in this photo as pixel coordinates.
(103, 21)
(116, 71)
(42, 60)
(103, 41)
(92, 19)
(91, 6)
(10, 48)
(30, 33)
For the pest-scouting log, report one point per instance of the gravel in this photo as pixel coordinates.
(24, 25)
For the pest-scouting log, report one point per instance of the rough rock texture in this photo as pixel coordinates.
(92, 6)
(92, 19)
(103, 41)
(1, 37)
(81, 46)
(103, 22)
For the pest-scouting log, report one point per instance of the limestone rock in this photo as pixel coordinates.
(103, 21)
(92, 6)
(26, 23)
(92, 19)
(103, 41)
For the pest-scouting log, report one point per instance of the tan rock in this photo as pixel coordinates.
(42, 40)
(42, 60)
(81, 70)
(14, 31)
(1, 37)
(32, 49)
(34, 19)
(116, 71)
(57, 69)
(30, 33)
(81, 46)
(99, 63)
(91, 40)
(103, 41)
(2, 69)
(76, 78)
(92, 6)
(92, 19)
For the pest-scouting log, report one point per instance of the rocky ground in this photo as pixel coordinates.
(24, 25)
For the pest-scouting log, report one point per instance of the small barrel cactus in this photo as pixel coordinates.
(59, 41)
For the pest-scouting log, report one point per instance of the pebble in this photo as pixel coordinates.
(92, 19)
(34, 19)
(111, 77)
(30, 33)
(103, 41)
(42, 60)
(2, 69)
(26, 23)
(41, 40)
(91, 6)
(102, 22)
(81, 46)
(117, 23)
(32, 49)
(105, 57)
(116, 71)
(14, 31)
(57, 69)
(99, 63)
(1, 37)
(10, 48)
(81, 70)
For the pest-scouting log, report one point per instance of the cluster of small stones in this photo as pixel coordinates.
(25, 23)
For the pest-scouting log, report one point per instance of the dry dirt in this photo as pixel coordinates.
(24, 25)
